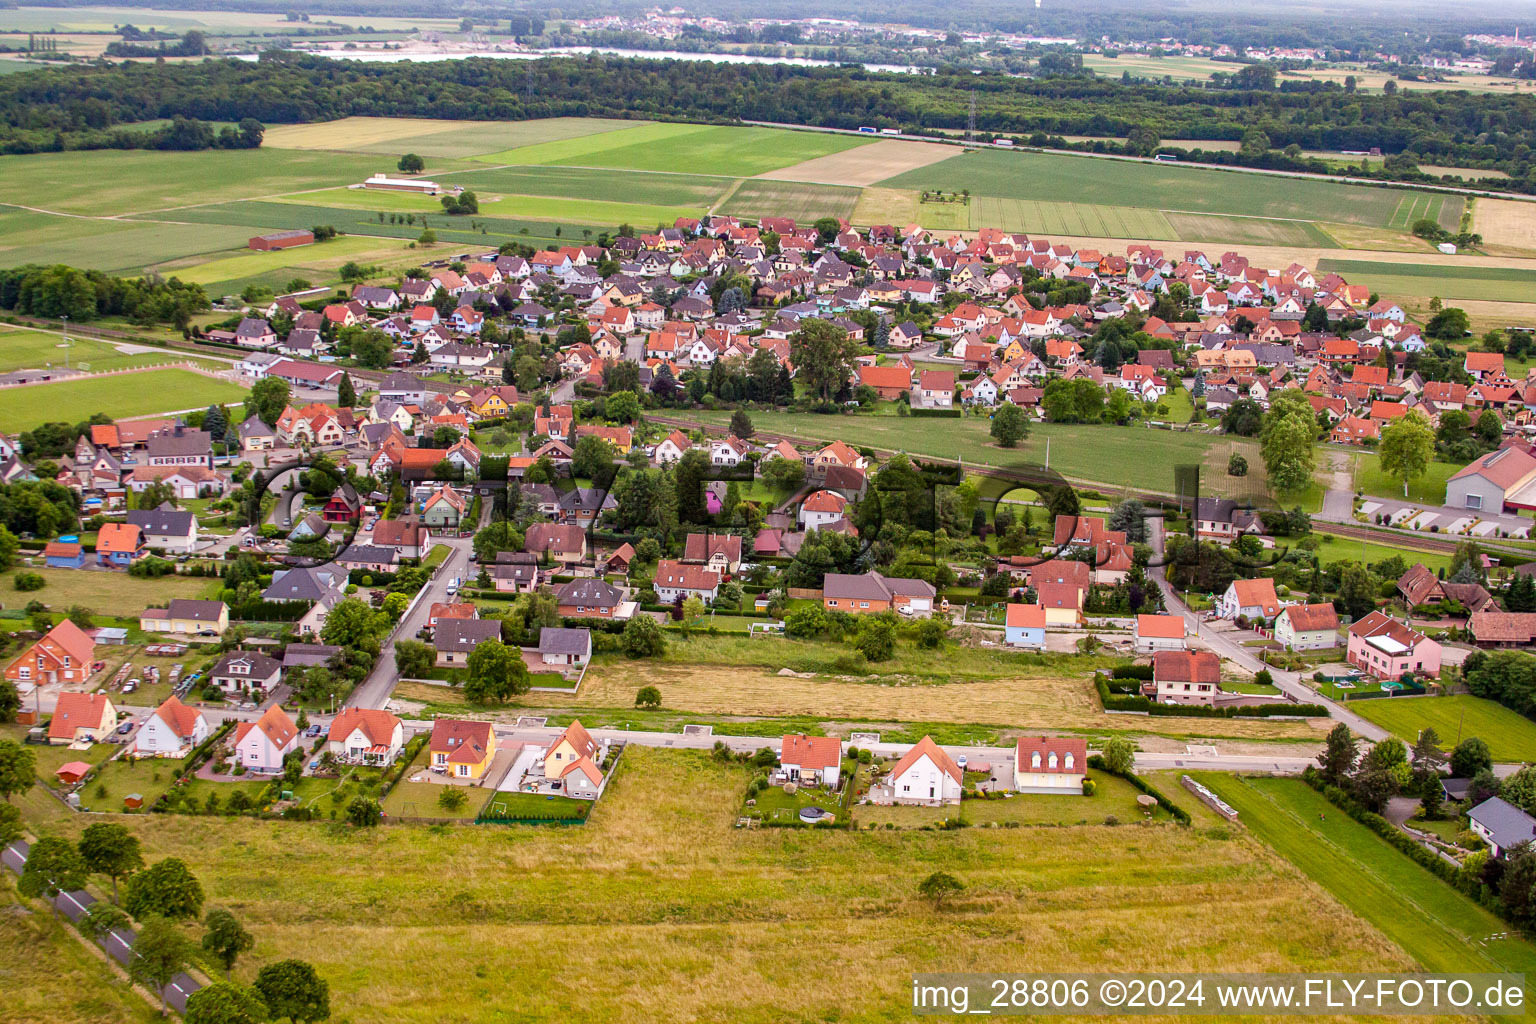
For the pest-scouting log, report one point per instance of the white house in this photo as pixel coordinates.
(1501, 825)
(261, 745)
(1050, 764)
(812, 760)
(1253, 599)
(823, 508)
(1307, 627)
(1159, 633)
(925, 775)
(366, 736)
(172, 731)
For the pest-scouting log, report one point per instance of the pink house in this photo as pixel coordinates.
(1386, 648)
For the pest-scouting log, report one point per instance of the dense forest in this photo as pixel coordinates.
(1358, 26)
(64, 108)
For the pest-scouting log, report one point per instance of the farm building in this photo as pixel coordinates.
(421, 185)
(281, 240)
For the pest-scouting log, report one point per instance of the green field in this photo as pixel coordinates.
(1413, 208)
(30, 237)
(658, 189)
(697, 149)
(1250, 230)
(1168, 187)
(111, 182)
(801, 200)
(21, 348)
(434, 138)
(1429, 488)
(122, 397)
(1510, 735)
(1438, 926)
(252, 264)
(1496, 284)
(683, 918)
(1114, 456)
(1348, 549)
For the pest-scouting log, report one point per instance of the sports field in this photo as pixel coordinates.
(1510, 735)
(805, 202)
(24, 349)
(1167, 187)
(1441, 929)
(1498, 284)
(122, 396)
(696, 149)
(683, 918)
(434, 138)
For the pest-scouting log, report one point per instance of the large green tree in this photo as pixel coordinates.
(225, 938)
(496, 673)
(293, 990)
(110, 849)
(1407, 445)
(165, 889)
(225, 1003)
(823, 354)
(161, 952)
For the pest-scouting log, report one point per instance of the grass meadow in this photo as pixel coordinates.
(1509, 735)
(23, 349)
(123, 397)
(1429, 488)
(1070, 218)
(1436, 925)
(27, 236)
(680, 917)
(1051, 177)
(1349, 549)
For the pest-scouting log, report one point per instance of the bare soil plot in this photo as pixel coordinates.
(434, 137)
(865, 165)
(1505, 222)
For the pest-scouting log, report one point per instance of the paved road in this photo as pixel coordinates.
(1288, 682)
(375, 690)
(118, 945)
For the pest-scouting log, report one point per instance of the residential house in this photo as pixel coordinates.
(811, 760)
(1501, 825)
(1050, 764)
(1307, 627)
(1185, 677)
(1252, 599)
(1223, 520)
(873, 592)
(65, 654)
(240, 671)
(119, 545)
(1492, 628)
(165, 528)
(718, 551)
(560, 646)
(1387, 649)
(674, 580)
(366, 736)
(1502, 479)
(1159, 633)
(82, 718)
(186, 616)
(822, 509)
(410, 538)
(172, 731)
(1024, 626)
(456, 639)
(444, 509)
(588, 598)
(563, 542)
(58, 554)
(262, 745)
(926, 775)
(462, 749)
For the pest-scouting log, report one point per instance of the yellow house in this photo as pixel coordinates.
(1015, 350)
(491, 406)
(462, 749)
(607, 346)
(193, 618)
(571, 746)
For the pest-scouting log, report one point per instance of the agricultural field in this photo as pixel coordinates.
(304, 261)
(1413, 208)
(805, 202)
(27, 236)
(663, 875)
(1438, 927)
(105, 17)
(1194, 227)
(654, 188)
(865, 165)
(1180, 68)
(1506, 224)
(1350, 549)
(903, 206)
(1496, 284)
(1064, 218)
(701, 149)
(427, 137)
(1114, 798)
(110, 183)
(1509, 735)
(1166, 187)
(124, 396)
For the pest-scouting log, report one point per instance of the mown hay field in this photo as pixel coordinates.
(865, 165)
(430, 137)
(807, 203)
(654, 188)
(679, 917)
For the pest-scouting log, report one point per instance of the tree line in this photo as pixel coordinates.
(71, 107)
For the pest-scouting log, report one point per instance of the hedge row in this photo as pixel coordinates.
(1180, 815)
(1470, 887)
(1122, 702)
(938, 413)
(1131, 672)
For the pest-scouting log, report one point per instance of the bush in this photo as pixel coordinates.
(28, 581)
(1089, 787)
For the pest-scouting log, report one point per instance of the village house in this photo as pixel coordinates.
(588, 598)
(1388, 649)
(82, 718)
(188, 617)
(873, 592)
(461, 749)
(1501, 825)
(171, 731)
(1159, 633)
(262, 745)
(811, 760)
(242, 671)
(1307, 627)
(455, 639)
(1252, 599)
(65, 654)
(564, 647)
(1050, 764)
(366, 736)
(1024, 626)
(674, 580)
(925, 775)
(1185, 677)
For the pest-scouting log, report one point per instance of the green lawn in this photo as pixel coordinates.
(22, 348)
(535, 806)
(27, 236)
(122, 397)
(652, 188)
(1511, 736)
(1438, 926)
(1348, 549)
(148, 778)
(1108, 455)
(1115, 798)
(106, 593)
(1429, 488)
(1055, 177)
